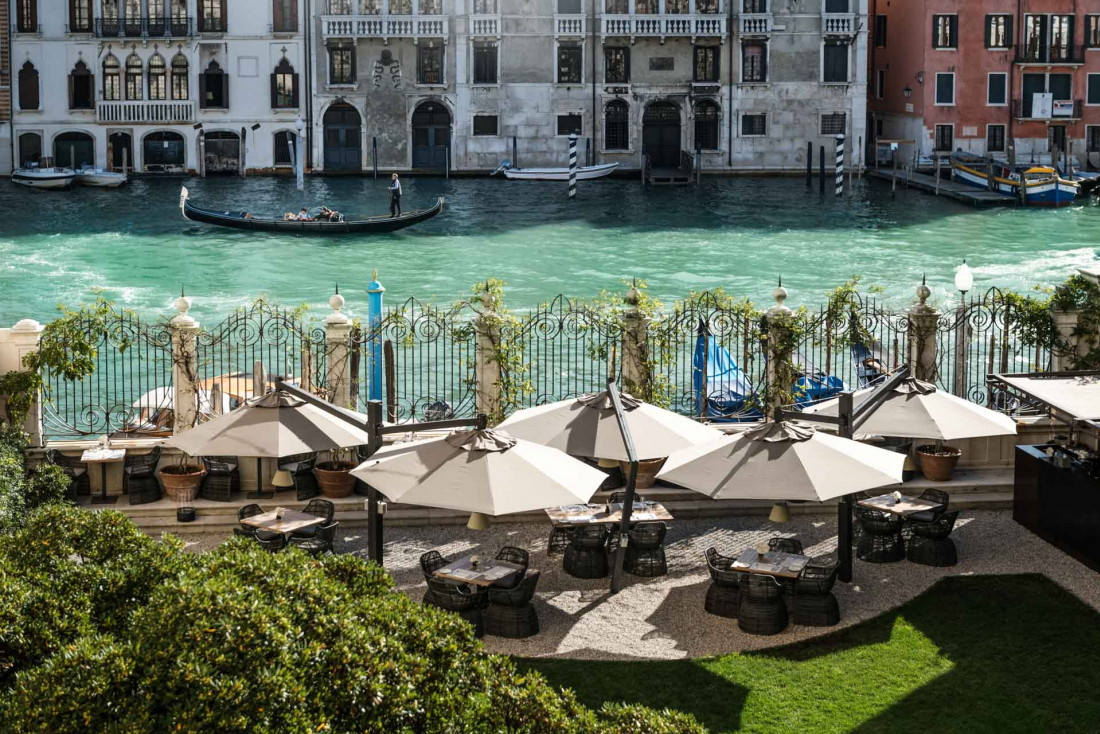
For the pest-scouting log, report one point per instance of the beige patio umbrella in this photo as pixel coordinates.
(487, 472)
(917, 409)
(782, 461)
(586, 426)
(271, 426)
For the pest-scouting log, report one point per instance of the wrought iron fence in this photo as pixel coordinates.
(130, 390)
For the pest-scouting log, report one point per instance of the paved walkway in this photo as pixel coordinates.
(663, 618)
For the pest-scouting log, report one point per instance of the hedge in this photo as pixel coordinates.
(21, 489)
(105, 629)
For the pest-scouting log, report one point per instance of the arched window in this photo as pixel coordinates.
(134, 82)
(284, 86)
(163, 151)
(706, 125)
(80, 16)
(214, 88)
(112, 85)
(179, 77)
(30, 149)
(28, 87)
(616, 126)
(158, 78)
(283, 154)
(109, 20)
(132, 21)
(74, 149)
(81, 88)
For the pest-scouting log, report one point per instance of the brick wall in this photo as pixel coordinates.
(5, 65)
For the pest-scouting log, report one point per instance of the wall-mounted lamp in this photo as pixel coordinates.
(920, 77)
(907, 91)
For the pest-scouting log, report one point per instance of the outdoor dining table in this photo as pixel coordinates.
(904, 507)
(291, 521)
(772, 563)
(488, 571)
(605, 514)
(103, 456)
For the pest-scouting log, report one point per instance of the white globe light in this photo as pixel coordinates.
(964, 278)
(299, 124)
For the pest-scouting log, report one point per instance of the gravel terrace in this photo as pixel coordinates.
(663, 618)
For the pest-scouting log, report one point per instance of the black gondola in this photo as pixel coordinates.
(243, 220)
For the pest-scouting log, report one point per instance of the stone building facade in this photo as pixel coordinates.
(5, 92)
(427, 84)
(157, 85)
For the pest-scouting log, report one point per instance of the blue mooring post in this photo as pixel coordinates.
(374, 324)
(374, 155)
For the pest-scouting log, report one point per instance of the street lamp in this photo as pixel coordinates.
(299, 124)
(299, 156)
(964, 279)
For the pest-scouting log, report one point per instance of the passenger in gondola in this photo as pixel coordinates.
(303, 216)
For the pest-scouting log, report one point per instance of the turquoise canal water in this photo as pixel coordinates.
(740, 234)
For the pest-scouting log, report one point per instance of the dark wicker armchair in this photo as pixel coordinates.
(222, 478)
(318, 508)
(620, 498)
(460, 599)
(431, 562)
(560, 538)
(510, 613)
(321, 542)
(813, 603)
(586, 556)
(724, 594)
(139, 477)
(786, 545)
(75, 469)
(880, 538)
(645, 554)
(930, 544)
(518, 556)
(300, 467)
(266, 537)
(763, 611)
(931, 495)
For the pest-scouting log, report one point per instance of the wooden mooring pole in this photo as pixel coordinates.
(821, 171)
(809, 163)
(937, 174)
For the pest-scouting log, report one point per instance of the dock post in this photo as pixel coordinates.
(809, 163)
(937, 174)
(991, 180)
(698, 162)
(515, 156)
(821, 171)
(862, 160)
(894, 177)
(838, 170)
(572, 165)
(374, 155)
(588, 151)
(1069, 158)
(642, 167)
(447, 162)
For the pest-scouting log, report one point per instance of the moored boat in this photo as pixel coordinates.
(99, 177)
(1042, 185)
(584, 173)
(246, 220)
(43, 175)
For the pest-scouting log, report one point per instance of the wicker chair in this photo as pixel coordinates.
(222, 478)
(762, 611)
(265, 536)
(139, 477)
(620, 498)
(586, 556)
(300, 467)
(510, 613)
(77, 472)
(880, 538)
(317, 508)
(320, 543)
(930, 545)
(431, 562)
(645, 554)
(786, 545)
(518, 556)
(931, 495)
(724, 594)
(560, 538)
(813, 603)
(272, 545)
(460, 599)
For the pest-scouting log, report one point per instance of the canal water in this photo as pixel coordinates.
(737, 233)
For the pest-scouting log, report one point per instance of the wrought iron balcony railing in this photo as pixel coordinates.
(1064, 110)
(1063, 54)
(178, 27)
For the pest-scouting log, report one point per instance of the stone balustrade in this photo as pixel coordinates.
(643, 24)
(754, 24)
(569, 25)
(385, 26)
(145, 112)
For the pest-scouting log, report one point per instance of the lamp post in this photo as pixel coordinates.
(964, 282)
(299, 166)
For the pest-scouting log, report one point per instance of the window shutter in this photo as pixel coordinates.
(225, 21)
(294, 94)
(1072, 34)
(225, 88)
(935, 31)
(1011, 40)
(277, 20)
(274, 91)
(202, 90)
(626, 64)
(72, 92)
(954, 25)
(72, 27)
(989, 30)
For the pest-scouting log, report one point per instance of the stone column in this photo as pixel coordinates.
(778, 352)
(24, 336)
(487, 369)
(921, 337)
(1072, 346)
(185, 390)
(337, 364)
(635, 348)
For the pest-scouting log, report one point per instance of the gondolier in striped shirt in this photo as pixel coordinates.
(395, 196)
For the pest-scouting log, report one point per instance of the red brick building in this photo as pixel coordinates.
(998, 77)
(5, 91)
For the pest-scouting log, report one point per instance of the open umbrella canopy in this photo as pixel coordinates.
(485, 471)
(782, 461)
(273, 425)
(587, 426)
(916, 409)
(162, 397)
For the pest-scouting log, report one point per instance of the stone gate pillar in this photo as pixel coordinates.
(1072, 345)
(487, 367)
(185, 390)
(778, 352)
(635, 347)
(24, 338)
(337, 362)
(921, 342)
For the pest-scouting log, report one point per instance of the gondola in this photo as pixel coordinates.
(244, 220)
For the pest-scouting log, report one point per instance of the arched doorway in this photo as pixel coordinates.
(222, 152)
(343, 136)
(30, 149)
(431, 132)
(163, 151)
(661, 134)
(120, 151)
(74, 150)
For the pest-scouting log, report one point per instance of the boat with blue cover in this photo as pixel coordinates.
(1043, 185)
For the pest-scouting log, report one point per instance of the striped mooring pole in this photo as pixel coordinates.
(572, 165)
(839, 165)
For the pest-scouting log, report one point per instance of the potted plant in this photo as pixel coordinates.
(334, 476)
(937, 462)
(647, 472)
(182, 480)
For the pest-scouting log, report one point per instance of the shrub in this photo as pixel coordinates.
(20, 490)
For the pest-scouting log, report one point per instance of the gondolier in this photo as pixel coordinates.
(395, 196)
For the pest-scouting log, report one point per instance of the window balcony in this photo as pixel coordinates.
(181, 27)
(145, 112)
(485, 25)
(663, 26)
(384, 26)
(1063, 55)
(1063, 111)
(839, 24)
(754, 24)
(569, 25)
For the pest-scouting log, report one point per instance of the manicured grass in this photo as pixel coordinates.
(973, 654)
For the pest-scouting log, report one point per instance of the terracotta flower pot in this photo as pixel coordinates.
(938, 463)
(335, 479)
(181, 483)
(647, 472)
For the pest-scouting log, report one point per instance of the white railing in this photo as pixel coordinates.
(484, 25)
(383, 26)
(569, 25)
(705, 24)
(149, 113)
(755, 24)
(838, 23)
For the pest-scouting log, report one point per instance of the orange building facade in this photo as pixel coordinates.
(5, 92)
(1014, 79)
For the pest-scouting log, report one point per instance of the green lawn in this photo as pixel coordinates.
(973, 654)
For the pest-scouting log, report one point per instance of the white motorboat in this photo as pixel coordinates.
(584, 173)
(48, 176)
(100, 177)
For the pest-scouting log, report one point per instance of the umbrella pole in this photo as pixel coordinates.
(844, 508)
(260, 494)
(374, 516)
(632, 477)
